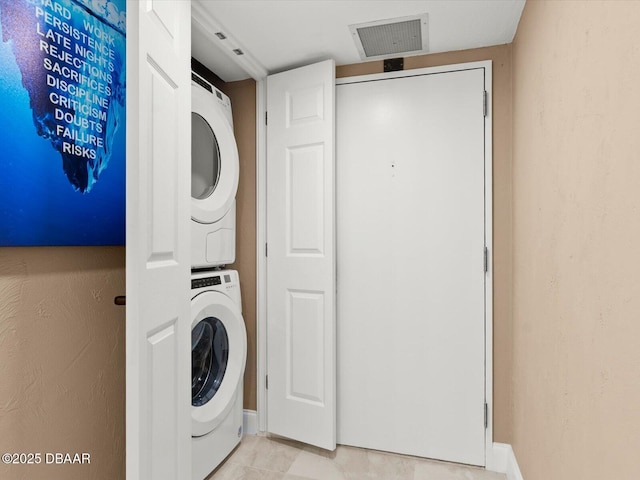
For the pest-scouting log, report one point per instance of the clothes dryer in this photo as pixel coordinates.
(219, 353)
(214, 176)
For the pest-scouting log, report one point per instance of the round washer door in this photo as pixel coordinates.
(214, 159)
(218, 357)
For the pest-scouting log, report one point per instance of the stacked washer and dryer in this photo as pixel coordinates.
(218, 335)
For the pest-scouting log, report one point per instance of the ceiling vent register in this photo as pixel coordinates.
(389, 38)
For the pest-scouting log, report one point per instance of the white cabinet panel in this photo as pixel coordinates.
(301, 258)
(158, 330)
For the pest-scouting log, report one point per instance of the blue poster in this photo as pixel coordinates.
(62, 122)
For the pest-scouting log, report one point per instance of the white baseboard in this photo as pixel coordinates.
(249, 422)
(497, 458)
(503, 460)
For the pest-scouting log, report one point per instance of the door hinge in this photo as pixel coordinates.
(486, 259)
(265, 118)
(266, 382)
(484, 103)
(486, 416)
(266, 249)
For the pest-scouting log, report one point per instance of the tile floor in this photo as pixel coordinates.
(269, 458)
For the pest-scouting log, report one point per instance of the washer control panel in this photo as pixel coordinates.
(206, 282)
(223, 281)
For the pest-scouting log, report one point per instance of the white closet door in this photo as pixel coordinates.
(301, 391)
(158, 261)
(410, 192)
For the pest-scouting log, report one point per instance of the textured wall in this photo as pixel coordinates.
(502, 242)
(576, 217)
(62, 354)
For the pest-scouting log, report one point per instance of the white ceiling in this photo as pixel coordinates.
(276, 35)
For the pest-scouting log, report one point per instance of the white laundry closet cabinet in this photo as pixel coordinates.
(399, 359)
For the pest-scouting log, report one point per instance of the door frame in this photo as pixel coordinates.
(261, 187)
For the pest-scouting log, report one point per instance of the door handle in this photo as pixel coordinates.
(120, 300)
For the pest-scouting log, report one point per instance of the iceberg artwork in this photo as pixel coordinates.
(62, 122)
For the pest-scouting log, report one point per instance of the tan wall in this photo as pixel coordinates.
(243, 101)
(62, 353)
(502, 242)
(576, 191)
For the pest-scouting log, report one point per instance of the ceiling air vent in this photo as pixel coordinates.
(392, 37)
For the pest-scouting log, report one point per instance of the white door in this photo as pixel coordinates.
(301, 395)
(411, 237)
(158, 331)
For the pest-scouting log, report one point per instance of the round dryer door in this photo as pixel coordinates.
(218, 357)
(214, 158)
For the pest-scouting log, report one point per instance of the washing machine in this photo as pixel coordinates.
(218, 357)
(214, 176)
